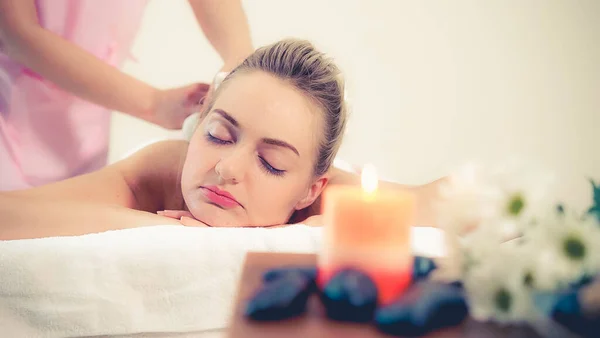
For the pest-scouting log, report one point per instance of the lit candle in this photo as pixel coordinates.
(369, 229)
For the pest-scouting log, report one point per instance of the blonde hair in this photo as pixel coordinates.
(298, 63)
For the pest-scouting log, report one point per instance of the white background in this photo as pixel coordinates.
(432, 84)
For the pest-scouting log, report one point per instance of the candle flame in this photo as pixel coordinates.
(369, 178)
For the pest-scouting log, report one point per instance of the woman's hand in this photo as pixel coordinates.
(185, 217)
(314, 221)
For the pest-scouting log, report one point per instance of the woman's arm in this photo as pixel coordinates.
(147, 181)
(225, 25)
(30, 217)
(426, 196)
(79, 72)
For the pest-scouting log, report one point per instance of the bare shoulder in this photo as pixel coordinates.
(148, 180)
(163, 150)
(153, 174)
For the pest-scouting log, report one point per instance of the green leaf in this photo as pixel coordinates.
(596, 192)
(595, 211)
(595, 208)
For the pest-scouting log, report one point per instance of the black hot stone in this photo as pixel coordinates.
(350, 296)
(310, 272)
(282, 298)
(567, 311)
(582, 281)
(426, 306)
(422, 267)
(457, 284)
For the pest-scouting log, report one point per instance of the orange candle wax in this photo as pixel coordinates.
(368, 229)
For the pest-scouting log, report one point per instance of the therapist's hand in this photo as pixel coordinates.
(219, 77)
(172, 106)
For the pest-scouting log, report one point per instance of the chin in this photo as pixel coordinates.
(216, 217)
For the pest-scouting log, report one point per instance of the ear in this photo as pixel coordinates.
(313, 193)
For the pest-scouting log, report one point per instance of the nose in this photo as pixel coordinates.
(232, 166)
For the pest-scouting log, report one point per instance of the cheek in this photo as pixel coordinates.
(199, 160)
(276, 199)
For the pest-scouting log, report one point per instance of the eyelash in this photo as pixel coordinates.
(269, 169)
(216, 140)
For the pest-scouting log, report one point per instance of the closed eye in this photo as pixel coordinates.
(217, 140)
(270, 169)
(264, 164)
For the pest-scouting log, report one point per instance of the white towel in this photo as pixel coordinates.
(144, 280)
(153, 279)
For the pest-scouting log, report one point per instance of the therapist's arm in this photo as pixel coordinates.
(81, 73)
(225, 25)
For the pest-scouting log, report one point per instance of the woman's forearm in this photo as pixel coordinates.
(225, 25)
(67, 65)
(24, 218)
(348, 178)
(425, 194)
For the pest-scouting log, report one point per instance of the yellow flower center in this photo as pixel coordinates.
(503, 300)
(516, 205)
(574, 248)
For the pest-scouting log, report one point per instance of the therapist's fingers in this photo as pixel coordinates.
(198, 94)
(191, 222)
(175, 213)
(173, 106)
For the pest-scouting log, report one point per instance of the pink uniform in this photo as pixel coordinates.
(47, 134)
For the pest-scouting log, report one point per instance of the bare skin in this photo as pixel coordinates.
(128, 194)
(250, 162)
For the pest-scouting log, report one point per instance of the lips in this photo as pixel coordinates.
(220, 197)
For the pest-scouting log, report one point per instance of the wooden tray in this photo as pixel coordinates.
(315, 324)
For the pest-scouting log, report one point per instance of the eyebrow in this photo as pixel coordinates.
(281, 144)
(227, 117)
(270, 141)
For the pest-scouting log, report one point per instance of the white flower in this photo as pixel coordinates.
(467, 198)
(496, 290)
(508, 197)
(451, 266)
(526, 252)
(567, 249)
(526, 193)
(462, 253)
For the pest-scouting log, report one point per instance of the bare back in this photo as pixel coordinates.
(122, 195)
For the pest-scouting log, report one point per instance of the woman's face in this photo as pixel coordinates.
(250, 161)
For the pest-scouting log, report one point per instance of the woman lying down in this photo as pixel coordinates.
(261, 156)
